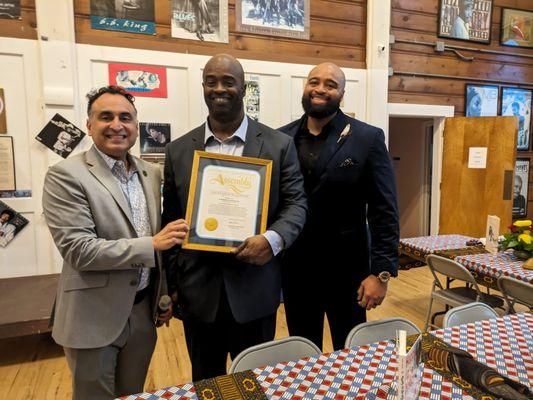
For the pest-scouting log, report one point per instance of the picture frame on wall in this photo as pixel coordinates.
(517, 102)
(520, 187)
(481, 100)
(468, 20)
(289, 19)
(516, 28)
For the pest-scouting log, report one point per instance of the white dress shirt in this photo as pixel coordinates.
(234, 145)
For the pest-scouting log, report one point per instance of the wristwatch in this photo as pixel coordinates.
(384, 276)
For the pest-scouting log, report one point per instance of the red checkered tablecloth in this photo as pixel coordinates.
(430, 244)
(495, 265)
(504, 344)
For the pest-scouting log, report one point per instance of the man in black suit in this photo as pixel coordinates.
(228, 302)
(339, 266)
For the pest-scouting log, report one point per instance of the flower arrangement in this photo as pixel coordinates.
(519, 239)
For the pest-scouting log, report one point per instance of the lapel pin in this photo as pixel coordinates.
(144, 173)
(345, 132)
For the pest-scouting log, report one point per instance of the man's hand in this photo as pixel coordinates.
(164, 318)
(170, 235)
(371, 292)
(254, 250)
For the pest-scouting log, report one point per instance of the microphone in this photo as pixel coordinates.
(162, 307)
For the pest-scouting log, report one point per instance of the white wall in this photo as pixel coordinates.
(30, 103)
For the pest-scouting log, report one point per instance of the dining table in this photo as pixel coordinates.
(369, 371)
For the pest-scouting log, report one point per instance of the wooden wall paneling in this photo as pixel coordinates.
(24, 28)
(338, 34)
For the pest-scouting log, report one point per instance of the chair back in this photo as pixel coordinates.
(274, 352)
(515, 290)
(376, 331)
(451, 269)
(468, 313)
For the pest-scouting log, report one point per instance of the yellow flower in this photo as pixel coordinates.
(522, 223)
(525, 238)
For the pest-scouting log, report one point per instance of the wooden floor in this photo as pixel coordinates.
(34, 367)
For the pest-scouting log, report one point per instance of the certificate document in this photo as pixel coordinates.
(228, 201)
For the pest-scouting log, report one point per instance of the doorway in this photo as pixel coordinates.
(411, 149)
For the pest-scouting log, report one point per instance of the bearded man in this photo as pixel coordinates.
(348, 250)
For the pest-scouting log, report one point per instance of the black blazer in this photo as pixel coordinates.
(198, 276)
(356, 184)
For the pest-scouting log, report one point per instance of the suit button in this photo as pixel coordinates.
(134, 282)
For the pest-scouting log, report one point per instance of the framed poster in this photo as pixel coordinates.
(284, 18)
(134, 16)
(228, 201)
(7, 164)
(516, 28)
(465, 20)
(204, 20)
(481, 100)
(154, 136)
(10, 9)
(520, 188)
(517, 102)
(139, 80)
(252, 99)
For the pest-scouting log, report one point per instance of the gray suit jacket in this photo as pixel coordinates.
(93, 229)
(252, 291)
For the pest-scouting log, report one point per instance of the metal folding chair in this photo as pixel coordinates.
(376, 331)
(456, 296)
(468, 313)
(515, 291)
(274, 352)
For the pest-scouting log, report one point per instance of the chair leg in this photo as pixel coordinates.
(428, 317)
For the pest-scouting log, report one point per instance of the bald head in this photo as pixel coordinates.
(227, 63)
(330, 70)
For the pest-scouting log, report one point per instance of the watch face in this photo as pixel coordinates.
(384, 276)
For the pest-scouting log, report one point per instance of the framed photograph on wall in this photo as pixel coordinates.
(139, 80)
(204, 20)
(520, 188)
(465, 20)
(516, 28)
(287, 19)
(481, 100)
(517, 102)
(134, 16)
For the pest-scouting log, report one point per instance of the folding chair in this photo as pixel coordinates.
(515, 291)
(456, 296)
(274, 352)
(467, 313)
(376, 331)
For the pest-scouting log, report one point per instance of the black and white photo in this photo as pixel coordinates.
(288, 18)
(9, 9)
(60, 136)
(252, 99)
(465, 20)
(135, 16)
(520, 188)
(204, 20)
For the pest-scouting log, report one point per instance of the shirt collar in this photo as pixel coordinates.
(111, 162)
(240, 132)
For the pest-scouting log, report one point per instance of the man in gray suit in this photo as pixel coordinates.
(103, 210)
(228, 302)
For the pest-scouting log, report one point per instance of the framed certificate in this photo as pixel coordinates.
(7, 164)
(228, 201)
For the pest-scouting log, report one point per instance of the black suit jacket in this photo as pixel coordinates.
(356, 184)
(252, 291)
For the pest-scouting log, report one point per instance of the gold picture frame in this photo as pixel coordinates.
(228, 201)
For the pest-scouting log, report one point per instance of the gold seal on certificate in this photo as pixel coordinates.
(228, 200)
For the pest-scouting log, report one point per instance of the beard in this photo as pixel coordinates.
(320, 111)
